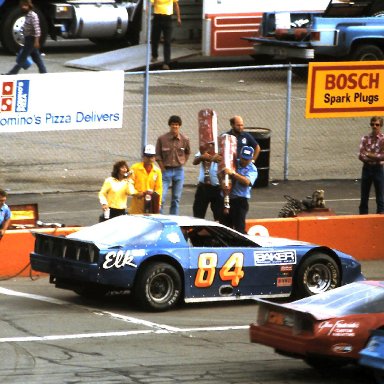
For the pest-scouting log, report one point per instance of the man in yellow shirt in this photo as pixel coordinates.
(162, 23)
(147, 180)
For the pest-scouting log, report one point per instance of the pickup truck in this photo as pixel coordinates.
(346, 30)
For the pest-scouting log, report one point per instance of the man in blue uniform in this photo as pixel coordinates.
(242, 180)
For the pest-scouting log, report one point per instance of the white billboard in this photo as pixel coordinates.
(61, 101)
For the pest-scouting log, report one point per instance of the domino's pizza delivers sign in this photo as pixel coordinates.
(61, 101)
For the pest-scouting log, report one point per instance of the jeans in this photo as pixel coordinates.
(372, 174)
(174, 176)
(29, 50)
(162, 23)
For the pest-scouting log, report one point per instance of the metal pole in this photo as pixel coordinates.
(144, 127)
(288, 120)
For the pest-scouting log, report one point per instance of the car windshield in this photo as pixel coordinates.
(350, 299)
(215, 236)
(121, 231)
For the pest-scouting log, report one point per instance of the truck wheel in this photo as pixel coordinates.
(318, 273)
(134, 28)
(11, 36)
(158, 287)
(367, 53)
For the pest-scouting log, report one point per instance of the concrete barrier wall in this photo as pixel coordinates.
(361, 236)
(15, 247)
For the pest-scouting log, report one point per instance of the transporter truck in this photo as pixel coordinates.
(347, 30)
(100, 21)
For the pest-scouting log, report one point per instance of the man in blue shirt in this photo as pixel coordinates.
(242, 181)
(208, 191)
(243, 138)
(5, 213)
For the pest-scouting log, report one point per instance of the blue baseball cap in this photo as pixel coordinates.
(247, 153)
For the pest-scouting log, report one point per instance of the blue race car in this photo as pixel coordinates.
(372, 356)
(163, 259)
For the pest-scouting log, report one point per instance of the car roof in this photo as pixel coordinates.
(181, 221)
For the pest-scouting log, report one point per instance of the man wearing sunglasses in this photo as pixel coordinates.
(372, 155)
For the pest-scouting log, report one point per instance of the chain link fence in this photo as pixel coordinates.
(80, 160)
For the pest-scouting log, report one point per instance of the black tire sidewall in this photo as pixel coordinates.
(142, 287)
(300, 287)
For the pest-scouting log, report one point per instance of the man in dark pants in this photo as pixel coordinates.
(32, 34)
(372, 155)
(242, 181)
(208, 191)
(162, 23)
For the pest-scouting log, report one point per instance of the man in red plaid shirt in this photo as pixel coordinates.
(32, 34)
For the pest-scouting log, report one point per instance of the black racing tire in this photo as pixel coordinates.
(367, 52)
(158, 287)
(318, 273)
(11, 36)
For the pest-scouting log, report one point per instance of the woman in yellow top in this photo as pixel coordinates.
(147, 178)
(115, 191)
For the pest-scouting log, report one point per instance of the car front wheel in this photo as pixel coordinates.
(158, 287)
(318, 273)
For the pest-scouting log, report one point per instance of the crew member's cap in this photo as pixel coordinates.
(149, 150)
(247, 153)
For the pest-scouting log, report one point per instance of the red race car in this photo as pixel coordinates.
(325, 330)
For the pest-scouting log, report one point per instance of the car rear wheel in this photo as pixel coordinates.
(158, 287)
(318, 273)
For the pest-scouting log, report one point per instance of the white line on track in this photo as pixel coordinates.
(155, 328)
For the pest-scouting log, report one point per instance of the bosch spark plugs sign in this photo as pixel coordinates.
(61, 101)
(345, 89)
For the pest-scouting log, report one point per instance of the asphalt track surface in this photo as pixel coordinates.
(52, 336)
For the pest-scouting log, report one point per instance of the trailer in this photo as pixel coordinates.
(217, 26)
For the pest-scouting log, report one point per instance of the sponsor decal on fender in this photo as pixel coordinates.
(275, 257)
(284, 281)
(286, 268)
(342, 348)
(120, 259)
(340, 328)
